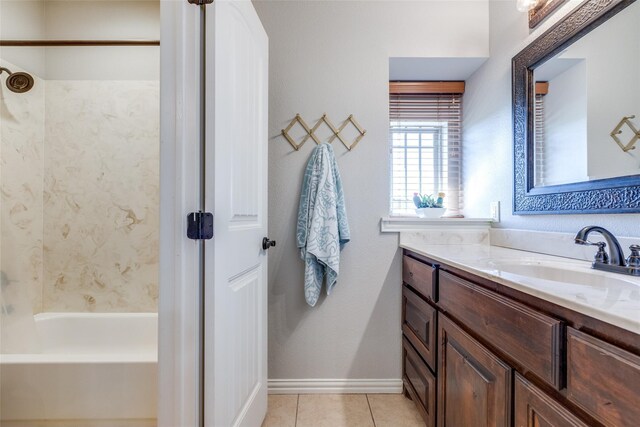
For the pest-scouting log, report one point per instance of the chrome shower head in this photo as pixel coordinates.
(18, 82)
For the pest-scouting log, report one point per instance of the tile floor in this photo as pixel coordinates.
(341, 410)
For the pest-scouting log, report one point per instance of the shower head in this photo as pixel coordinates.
(18, 82)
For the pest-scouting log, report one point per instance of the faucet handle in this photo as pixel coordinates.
(633, 260)
(601, 255)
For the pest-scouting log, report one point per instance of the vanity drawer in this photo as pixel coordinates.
(531, 339)
(419, 325)
(420, 383)
(420, 276)
(603, 379)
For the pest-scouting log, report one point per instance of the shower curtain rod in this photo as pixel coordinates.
(47, 43)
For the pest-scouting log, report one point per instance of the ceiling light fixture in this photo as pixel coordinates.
(526, 5)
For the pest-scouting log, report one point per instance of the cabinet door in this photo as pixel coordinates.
(420, 383)
(419, 325)
(603, 379)
(474, 385)
(533, 408)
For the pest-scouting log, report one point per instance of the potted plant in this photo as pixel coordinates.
(428, 206)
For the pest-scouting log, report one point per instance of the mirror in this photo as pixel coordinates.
(577, 113)
(583, 93)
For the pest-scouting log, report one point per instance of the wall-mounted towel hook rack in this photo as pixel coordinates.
(310, 132)
(618, 130)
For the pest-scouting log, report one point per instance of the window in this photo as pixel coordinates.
(542, 88)
(538, 141)
(425, 137)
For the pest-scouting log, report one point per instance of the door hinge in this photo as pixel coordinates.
(200, 2)
(200, 225)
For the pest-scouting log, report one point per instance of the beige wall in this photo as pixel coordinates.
(333, 57)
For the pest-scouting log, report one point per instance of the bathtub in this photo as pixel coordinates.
(93, 369)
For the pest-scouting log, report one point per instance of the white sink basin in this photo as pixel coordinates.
(564, 272)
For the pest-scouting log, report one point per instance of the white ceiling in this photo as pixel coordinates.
(553, 68)
(433, 68)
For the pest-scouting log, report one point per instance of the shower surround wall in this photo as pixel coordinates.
(80, 195)
(79, 156)
(101, 196)
(21, 189)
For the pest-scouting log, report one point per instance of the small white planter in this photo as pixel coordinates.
(430, 212)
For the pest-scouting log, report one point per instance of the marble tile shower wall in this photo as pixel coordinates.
(98, 197)
(21, 188)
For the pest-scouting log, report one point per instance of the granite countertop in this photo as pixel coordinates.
(609, 297)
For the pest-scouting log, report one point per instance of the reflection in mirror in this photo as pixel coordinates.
(582, 95)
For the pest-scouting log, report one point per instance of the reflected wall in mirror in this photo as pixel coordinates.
(572, 87)
(590, 87)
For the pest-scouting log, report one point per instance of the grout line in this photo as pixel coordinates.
(371, 410)
(297, 404)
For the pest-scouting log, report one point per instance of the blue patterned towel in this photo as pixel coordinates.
(322, 222)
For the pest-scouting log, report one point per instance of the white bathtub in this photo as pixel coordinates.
(97, 367)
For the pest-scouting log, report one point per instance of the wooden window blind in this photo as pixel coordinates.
(426, 150)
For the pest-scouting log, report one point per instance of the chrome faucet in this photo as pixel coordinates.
(613, 261)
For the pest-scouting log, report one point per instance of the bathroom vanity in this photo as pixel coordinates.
(483, 346)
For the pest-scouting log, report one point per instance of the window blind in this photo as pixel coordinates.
(426, 151)
(538, 144)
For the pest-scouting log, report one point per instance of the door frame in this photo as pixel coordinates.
(179, 381)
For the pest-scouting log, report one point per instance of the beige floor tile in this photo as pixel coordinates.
(394, 410)
(281, 410)
(334, 410)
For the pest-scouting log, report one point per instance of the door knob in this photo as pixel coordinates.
(266, 243)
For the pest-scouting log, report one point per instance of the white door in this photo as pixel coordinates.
(236, 187)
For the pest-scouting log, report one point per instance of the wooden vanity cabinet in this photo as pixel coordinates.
(419, 383)
(529, 338)
(534, 408)
(603, 379)
(423, 278)
(419, 325)
(474, 385)
(504, 358)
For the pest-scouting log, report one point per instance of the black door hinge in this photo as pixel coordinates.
(200, 225)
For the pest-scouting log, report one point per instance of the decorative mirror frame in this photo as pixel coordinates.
(544, 9)
(611, 195)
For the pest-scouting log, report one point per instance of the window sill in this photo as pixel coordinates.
(395, 224)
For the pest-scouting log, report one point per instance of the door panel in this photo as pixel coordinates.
(420, 383)
(419, 325)
(533, 408)
(474, 385)
(236, 267)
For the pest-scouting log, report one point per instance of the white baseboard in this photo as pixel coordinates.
(334, 386)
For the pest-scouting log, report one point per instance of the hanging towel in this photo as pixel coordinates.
(322, 222)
